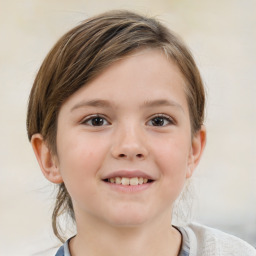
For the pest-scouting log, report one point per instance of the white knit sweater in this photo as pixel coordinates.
(205, 241)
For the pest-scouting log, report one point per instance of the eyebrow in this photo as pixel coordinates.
(92, 103)
(99, 103)
(162, 102)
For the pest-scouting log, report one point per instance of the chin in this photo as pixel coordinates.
(129, 218)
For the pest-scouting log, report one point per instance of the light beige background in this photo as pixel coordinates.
(222, 36)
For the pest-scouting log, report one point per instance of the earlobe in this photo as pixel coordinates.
(197, 148)
(47, 161)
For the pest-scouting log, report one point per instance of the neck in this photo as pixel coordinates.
(100, 239)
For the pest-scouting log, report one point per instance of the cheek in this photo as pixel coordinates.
(79, 163)
(80, 158)
(172, 161)
(173, 156)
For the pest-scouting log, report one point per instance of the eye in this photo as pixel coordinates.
(95, 121)
(160, 120)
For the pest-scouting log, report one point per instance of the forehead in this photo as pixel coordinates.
(144, 75)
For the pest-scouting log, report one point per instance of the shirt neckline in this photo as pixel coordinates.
(184, 251)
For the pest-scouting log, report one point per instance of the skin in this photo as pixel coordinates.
(139, 92)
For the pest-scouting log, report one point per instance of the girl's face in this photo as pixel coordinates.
(131, 126)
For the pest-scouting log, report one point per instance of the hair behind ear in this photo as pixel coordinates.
(63, 204)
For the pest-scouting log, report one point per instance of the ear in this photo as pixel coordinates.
(197, 148)
(47, 161)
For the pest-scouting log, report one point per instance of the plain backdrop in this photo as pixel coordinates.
(221, 35)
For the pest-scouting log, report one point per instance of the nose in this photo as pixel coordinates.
(129, 144)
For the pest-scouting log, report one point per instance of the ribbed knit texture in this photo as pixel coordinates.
(205, 241)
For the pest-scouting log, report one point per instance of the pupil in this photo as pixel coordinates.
(158, 121)
(97, 121)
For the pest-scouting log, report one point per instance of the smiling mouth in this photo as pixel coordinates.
(135, 181)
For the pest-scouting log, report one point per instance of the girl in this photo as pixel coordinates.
(115, 118)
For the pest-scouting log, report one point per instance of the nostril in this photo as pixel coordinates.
(124, 155)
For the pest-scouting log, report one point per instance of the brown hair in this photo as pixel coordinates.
(82, 54)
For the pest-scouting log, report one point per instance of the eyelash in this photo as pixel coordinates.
(165, 117)
(90, 118)
(162, 116)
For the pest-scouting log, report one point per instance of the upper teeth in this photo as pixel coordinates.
(128, 181)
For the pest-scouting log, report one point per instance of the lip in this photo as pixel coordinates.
(128, 189)
(128, 174)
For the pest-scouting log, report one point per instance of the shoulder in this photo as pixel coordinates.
(207, 241)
